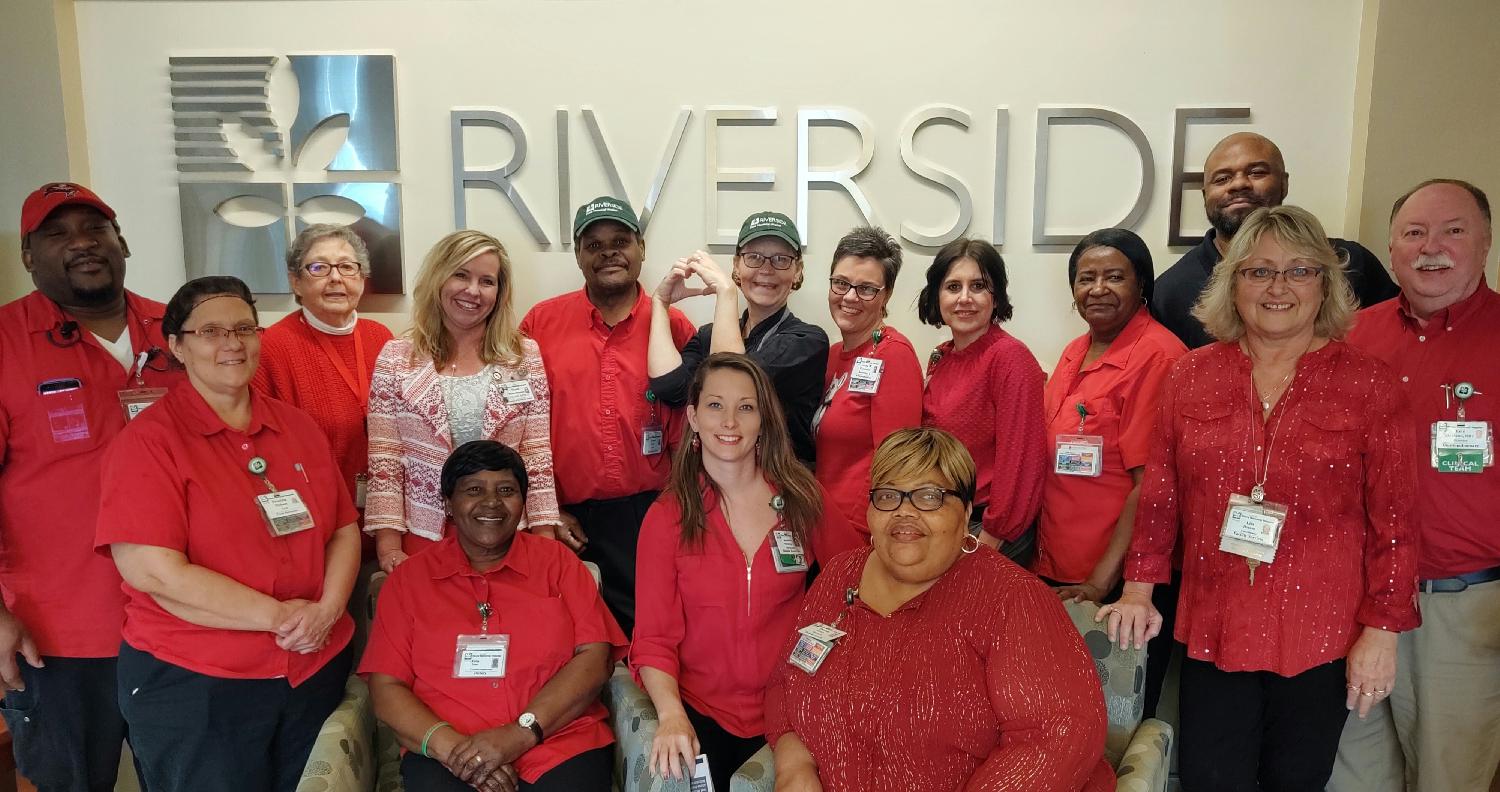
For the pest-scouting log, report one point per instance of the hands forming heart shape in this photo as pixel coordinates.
(675, 286)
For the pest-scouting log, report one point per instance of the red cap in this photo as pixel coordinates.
(49, 197)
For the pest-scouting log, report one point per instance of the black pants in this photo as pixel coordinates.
(65, 727)
(589, 771)
(1159, 649)
(725, 751)
(1255, 731)
(193, 732)
(613, 526)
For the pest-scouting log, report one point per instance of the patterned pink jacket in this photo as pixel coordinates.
(410, 439)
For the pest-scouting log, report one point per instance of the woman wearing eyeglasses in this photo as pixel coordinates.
(919, 663)
(1282, 463)
(229, 521)
(873, 384)
(767, 269)
(464, 372)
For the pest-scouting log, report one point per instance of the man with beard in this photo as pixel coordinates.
(1440, 728)
(609, 434)
(81, 356)
(1244, 172)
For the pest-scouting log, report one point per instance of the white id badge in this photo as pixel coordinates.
(517, 391)
(134, 401)
(1251, 529)
(701, 781)
(809, 653)
(1462, 446)
(480, 656)
(822, 632)
(1078, 455)
(284, 512)
(651, 436)
(787, 553)
(865, 378)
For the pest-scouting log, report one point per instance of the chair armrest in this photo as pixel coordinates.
(343, 755)
(757, 774)
(1145, 767)
(633, 720)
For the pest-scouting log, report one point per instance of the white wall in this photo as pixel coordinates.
(637, 62)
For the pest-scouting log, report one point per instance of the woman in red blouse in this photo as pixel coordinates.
(721, 569)
(470, 712)
(985, 388)
(874, 383)
(1282, 461)
(914, 687)
(1101, 409)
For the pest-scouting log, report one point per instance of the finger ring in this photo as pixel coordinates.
(1366, 695)
(478, 758)
(1352, 687)
(1379, 691)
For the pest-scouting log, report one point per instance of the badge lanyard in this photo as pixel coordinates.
(360, 384)
(772, 331)
(1252, 526)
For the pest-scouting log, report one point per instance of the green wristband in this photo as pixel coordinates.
(428, 735)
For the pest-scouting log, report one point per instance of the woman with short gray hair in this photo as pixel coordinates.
(1282, 461)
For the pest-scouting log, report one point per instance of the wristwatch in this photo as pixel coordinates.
(528, 721)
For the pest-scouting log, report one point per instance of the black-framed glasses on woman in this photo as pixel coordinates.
(923, 498)
(864, 291)
(779, 261)
(1296, 276)
(321, 269)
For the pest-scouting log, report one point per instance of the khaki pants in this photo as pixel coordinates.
(1440, 729)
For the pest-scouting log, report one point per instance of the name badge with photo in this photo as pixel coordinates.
(651, 440)
(284, 512)
(480, 656)
(787, 552)
(1078, 455)
(865, 378)
(1462, 446)
(517, 391)
(814, 642)
(1252, 529)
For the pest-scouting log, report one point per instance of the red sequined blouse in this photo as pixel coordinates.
(1341, 463)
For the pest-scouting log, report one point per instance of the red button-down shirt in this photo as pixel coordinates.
(709, 618)
(599, 408)
(67, 595)
(941, 695)
(178, 478)
(1339, 443)
(540, 595)
(849, 426)
(1119, 392)
(1456, 512)
(989, 396)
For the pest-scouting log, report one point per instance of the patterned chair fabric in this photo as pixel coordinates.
(343, 756)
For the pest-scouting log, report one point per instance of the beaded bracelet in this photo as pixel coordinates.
(428, 735)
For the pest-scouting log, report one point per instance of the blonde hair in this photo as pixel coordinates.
(1299, 232)
(910, 454)
(430, 339)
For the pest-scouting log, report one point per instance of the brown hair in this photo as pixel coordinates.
(795, 483)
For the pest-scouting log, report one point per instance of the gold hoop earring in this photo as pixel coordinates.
(969, 550)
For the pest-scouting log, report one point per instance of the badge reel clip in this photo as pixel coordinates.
(283, 510)
(1079, 454)
(134, 400)
(1462, 446)
(816, 640)
(651, 433)
(481, 656)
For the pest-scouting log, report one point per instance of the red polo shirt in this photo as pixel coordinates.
(1120, 392)
(177, 477)
(1455, 512)
(541, 595)
(67, 595)
(599, 408)
(849, 425)
(709, 618)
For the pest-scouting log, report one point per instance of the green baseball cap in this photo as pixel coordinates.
(604, 208)
(773, 224)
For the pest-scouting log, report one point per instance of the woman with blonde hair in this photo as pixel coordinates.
(1282, 462)
(463, 372)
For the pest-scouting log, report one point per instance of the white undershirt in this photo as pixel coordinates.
(119, 349)
(322, 326)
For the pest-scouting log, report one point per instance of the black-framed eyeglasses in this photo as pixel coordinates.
(321, 269)
(923, 498)
(779, 261)
(1296, 276)
(864, 291)
(218, 334)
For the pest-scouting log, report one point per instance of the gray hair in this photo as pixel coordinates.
(318, 232)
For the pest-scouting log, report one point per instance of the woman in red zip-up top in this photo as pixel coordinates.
(721, 568)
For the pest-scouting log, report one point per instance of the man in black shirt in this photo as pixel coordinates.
(1244, 172)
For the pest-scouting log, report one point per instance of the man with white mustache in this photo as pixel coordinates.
(1242, 173)
(1440, 728)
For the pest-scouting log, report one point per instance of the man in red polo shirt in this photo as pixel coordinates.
(1440, 729)
(80, 354)
(610, 437)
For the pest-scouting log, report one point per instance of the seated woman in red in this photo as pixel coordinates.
(721, 569)
(895, 680)
(489, 649)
